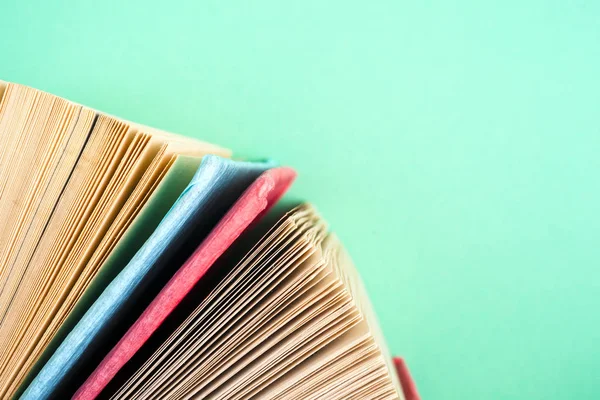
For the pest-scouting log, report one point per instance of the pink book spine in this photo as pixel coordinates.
(408, 384)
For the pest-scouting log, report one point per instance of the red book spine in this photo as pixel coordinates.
(408, 385)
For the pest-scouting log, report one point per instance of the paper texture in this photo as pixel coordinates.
(164, 196)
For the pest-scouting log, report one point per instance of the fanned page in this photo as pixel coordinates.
(168, 188)
(288, 321)
(72, 181)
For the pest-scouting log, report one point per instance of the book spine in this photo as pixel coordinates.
(408, 384)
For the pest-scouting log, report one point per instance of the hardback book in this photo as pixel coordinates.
(141, 264)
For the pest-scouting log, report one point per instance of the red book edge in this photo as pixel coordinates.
(254, 202)
(408, 384)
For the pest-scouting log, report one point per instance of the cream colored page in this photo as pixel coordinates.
(121, 177)
(327, 363)
(39, 216)
(34, 154)
(43, 270)
(37, 222)
(15, 121)
(328, 317)
(78, 197)
(151, 176)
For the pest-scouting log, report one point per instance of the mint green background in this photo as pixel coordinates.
(454, 148)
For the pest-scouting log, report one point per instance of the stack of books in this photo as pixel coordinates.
(141, 264)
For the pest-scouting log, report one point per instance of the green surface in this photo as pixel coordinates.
(454, 149)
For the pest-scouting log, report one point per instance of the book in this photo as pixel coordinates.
(138, 263)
